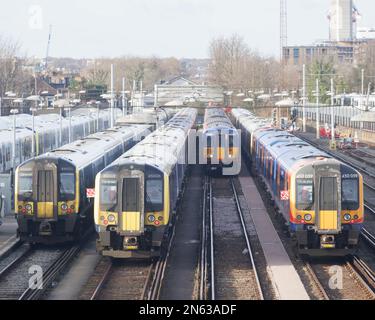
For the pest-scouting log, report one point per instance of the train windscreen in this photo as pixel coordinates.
(25, 186)
(67, 186)
(154, 195)
(108, 195)
(305, 194)
(350, 194)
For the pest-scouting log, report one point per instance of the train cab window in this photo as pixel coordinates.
(305, 194)
(282, 180)
(154, 195)
(328, 194)
(350, 196)
(67, 186)
(231, 141)
(209, 141)
(25, 186)
(108, 194)
(130, 198)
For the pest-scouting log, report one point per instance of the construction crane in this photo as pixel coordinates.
(48, 46)
(283, 26)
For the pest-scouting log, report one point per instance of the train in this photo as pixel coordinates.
(137, 195)
(50, 190)
(320, 197)
(220, 143)
(47, 134)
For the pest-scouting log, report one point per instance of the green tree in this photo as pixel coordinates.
(322, 70)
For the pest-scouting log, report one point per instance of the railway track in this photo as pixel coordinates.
(346, 279)
(228, 269)
(121, 280)
(207, 267)
(127, 280)
(130, 280)
(323, 295)
(18, 276)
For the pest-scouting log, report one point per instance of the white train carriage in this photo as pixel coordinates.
(50, 190)
(47, 134)
(137, 195)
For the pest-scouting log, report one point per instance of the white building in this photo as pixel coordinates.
(341, 17)
(365, 33)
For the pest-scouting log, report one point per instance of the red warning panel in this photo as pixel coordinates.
(284, 195)
(90, 193)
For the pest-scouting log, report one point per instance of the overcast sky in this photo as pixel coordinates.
(180, 28)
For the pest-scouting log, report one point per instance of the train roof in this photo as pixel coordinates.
(216, 118)
(148, 116)
(45, 120)
(43, 124)
(161, 148)
(82, 152)
(282, 145)
(249, 121)
(287, 148)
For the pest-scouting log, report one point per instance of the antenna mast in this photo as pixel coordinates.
(48, 46)
(283, 26)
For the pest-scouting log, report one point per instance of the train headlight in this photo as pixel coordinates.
(111, 218)
(347, 217)
(28, 207)
(64, 207)
(151, 218)
(308, 217)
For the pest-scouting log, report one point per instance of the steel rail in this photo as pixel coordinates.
(51, 274)
(203, 258)
(248, 244)
(212, 248)
(102, 281)
(315, 279)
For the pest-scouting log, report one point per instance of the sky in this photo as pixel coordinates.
(163, 28)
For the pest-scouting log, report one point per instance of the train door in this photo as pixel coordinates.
(328, 203)
(132, 217)
(46, 194)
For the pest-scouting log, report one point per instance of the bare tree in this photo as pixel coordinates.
(148, 70)
(12, 76)
(235, 66)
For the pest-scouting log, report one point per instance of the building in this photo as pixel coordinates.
(341, 20)
(365, 33)
(343, 45)
(180, 91)
(341, 52)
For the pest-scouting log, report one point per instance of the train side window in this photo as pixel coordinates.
(350, 194)
(282, 179)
